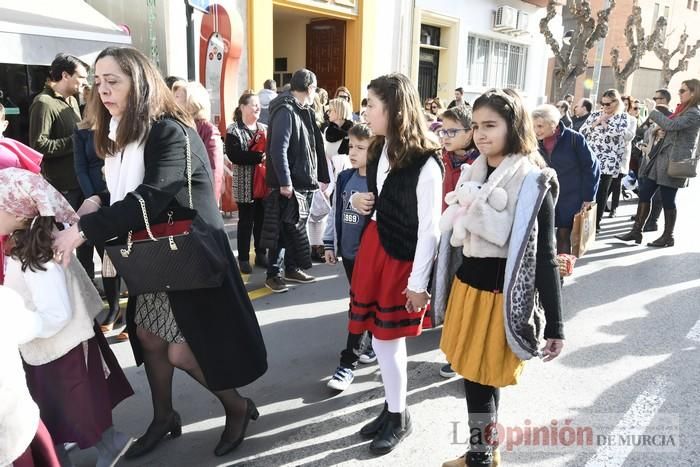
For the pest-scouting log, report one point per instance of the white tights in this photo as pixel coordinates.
(393, 362)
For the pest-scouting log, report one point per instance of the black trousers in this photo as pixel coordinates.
(280, 258)
(356, 344)
(615, 191)
(482, 406)
(250, 221)
(602, 197)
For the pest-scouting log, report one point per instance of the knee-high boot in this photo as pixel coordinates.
(666, 239)
(636, 232)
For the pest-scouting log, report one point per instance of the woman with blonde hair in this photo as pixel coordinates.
(198, 106)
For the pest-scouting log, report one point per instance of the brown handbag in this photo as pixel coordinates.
(684, 168)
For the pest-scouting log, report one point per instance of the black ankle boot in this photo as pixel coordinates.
(396, 428)
(636, 232)
(666, 239)
(371, 429)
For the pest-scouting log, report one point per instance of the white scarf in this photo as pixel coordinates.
(125, 170)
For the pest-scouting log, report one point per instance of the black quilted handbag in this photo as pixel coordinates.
(179, 253)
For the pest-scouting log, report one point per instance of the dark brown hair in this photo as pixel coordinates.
(462, 115)
(521, 134)
(361, 131)
(407, 132)
(243, 100)
(32, 246)
(149, 100)
(694, 87)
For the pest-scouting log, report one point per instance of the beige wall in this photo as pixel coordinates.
(290, 41)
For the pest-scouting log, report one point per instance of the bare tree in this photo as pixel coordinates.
(663, 53)
(571, 60)
(637, 44)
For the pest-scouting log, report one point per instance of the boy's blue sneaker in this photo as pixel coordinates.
(341, 379)
(368, 357)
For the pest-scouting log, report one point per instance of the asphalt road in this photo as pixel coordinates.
(629, 369)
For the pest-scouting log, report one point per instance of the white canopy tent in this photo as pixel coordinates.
(32, 32)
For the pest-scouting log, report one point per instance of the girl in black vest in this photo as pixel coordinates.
(388, 293)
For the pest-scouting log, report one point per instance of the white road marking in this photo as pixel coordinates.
(633, 423)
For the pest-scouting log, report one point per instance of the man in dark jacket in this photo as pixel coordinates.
(296, 163)
(581, 112)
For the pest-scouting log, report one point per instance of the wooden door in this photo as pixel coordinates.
(325, 53)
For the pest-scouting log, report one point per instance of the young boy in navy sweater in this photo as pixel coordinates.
(342, 239)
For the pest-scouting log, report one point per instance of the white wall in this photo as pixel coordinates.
(393, 30)
(476, 17)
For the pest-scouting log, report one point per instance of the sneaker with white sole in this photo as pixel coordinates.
(447, 372)
(276, 284)
(299, 276)
(368, 357)
(341, 379)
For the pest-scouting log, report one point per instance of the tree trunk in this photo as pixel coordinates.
(564, 86)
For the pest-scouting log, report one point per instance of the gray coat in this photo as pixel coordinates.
(680, 143)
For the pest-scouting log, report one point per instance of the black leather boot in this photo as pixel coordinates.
(636, 232)
(371, 429)
(666, 239)
(395, 429)
(652, 224)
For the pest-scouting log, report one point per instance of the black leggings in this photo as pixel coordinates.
(482, 406)
(602, 196)
(250, 221)
(356, 344)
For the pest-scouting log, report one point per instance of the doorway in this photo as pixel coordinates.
(428, 66)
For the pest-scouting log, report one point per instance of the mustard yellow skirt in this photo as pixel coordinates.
(474, 337)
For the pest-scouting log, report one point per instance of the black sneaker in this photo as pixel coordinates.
(299, 276)
(276, 284)
(447, 371)
(245, 267)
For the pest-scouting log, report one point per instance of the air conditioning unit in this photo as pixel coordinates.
(506, 19)
(523, 21)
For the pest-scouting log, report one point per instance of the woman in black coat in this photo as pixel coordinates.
(211, 333)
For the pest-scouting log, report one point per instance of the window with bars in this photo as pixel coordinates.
(495, 64)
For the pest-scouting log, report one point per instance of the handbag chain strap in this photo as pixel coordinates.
(125, 252)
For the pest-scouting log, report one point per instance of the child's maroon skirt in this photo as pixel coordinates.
(74, 397)
(377, 301)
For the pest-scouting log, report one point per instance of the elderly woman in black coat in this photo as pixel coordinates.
(210, 333)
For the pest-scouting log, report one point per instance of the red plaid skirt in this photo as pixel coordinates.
(377, 302)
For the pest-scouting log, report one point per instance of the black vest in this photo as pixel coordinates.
(397, 207)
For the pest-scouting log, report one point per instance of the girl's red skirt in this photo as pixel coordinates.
(377, 301)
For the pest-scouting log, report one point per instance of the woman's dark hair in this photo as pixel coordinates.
(407, 132)
(302, 79)
(33, 246)
(64, 62)
(463, 116)
(361, 131)
(243, 100)
(521, 134)
(149, 100)
(693, 86)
